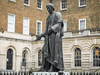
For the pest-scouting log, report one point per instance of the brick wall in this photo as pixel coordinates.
(73, 13)
(20, 10)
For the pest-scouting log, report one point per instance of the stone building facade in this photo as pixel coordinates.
(20, 20)
(23, 19)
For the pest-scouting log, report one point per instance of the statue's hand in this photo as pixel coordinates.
(38, 38)
(49, 31)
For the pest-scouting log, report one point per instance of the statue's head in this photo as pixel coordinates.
(50, 7)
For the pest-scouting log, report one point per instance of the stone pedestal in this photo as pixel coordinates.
(51, 73)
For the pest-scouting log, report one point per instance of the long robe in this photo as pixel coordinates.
(52, 49)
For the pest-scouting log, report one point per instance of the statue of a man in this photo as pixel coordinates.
(52, 54)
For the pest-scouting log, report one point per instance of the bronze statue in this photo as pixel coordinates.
(52, 55)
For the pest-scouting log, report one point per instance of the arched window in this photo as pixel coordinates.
(96, 56)
(39, 58)
(24, 58)
(77, 57)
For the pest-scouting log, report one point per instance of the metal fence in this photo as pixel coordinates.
(15, 73)
(67, 65)
(34, 73)
(85, 73)
(49, 73)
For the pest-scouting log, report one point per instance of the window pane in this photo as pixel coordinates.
(64, 4)
(11, 22)
(82, 24)
(24, 58)
(82, 2)
(10, 29)
(65, 26)
(77, 57)
(10, 18)
(79, 62)
(38, 28)
(25, 25)
(25, 21)
(96, 56)
(39, 3)
(25, 28)
(39, 58)
(26, 1)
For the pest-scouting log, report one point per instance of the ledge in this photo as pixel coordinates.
(13, 1)
(63, 9)
(27, 5)
(83, 6)
(39, 8)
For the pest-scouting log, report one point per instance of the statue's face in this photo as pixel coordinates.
(49, 10)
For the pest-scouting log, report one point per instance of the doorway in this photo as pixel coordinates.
(9, 59)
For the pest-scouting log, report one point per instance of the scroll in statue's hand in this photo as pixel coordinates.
(38, 38)
(49, 31)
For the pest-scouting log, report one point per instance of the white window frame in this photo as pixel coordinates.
(36, 26)
(41, 5)
(28, 25)
(13, 23)
(28, 3)
(79, 23)
(66, 26)
(81, 5)
(61, 6)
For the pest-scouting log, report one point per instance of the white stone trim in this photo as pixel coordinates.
(12, 0)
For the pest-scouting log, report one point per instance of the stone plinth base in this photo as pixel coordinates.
(50, 73)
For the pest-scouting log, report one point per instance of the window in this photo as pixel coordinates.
(82, 24)
(82, 3)
(39, 27)
(11, 22)
(63, 5)
(26, 2)
(25, 25)
(96, 56)
(77, 57)
(9, 59)
(39, 4)
(65, 26)
(24, 58)
(13, 0)
(39, 58)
